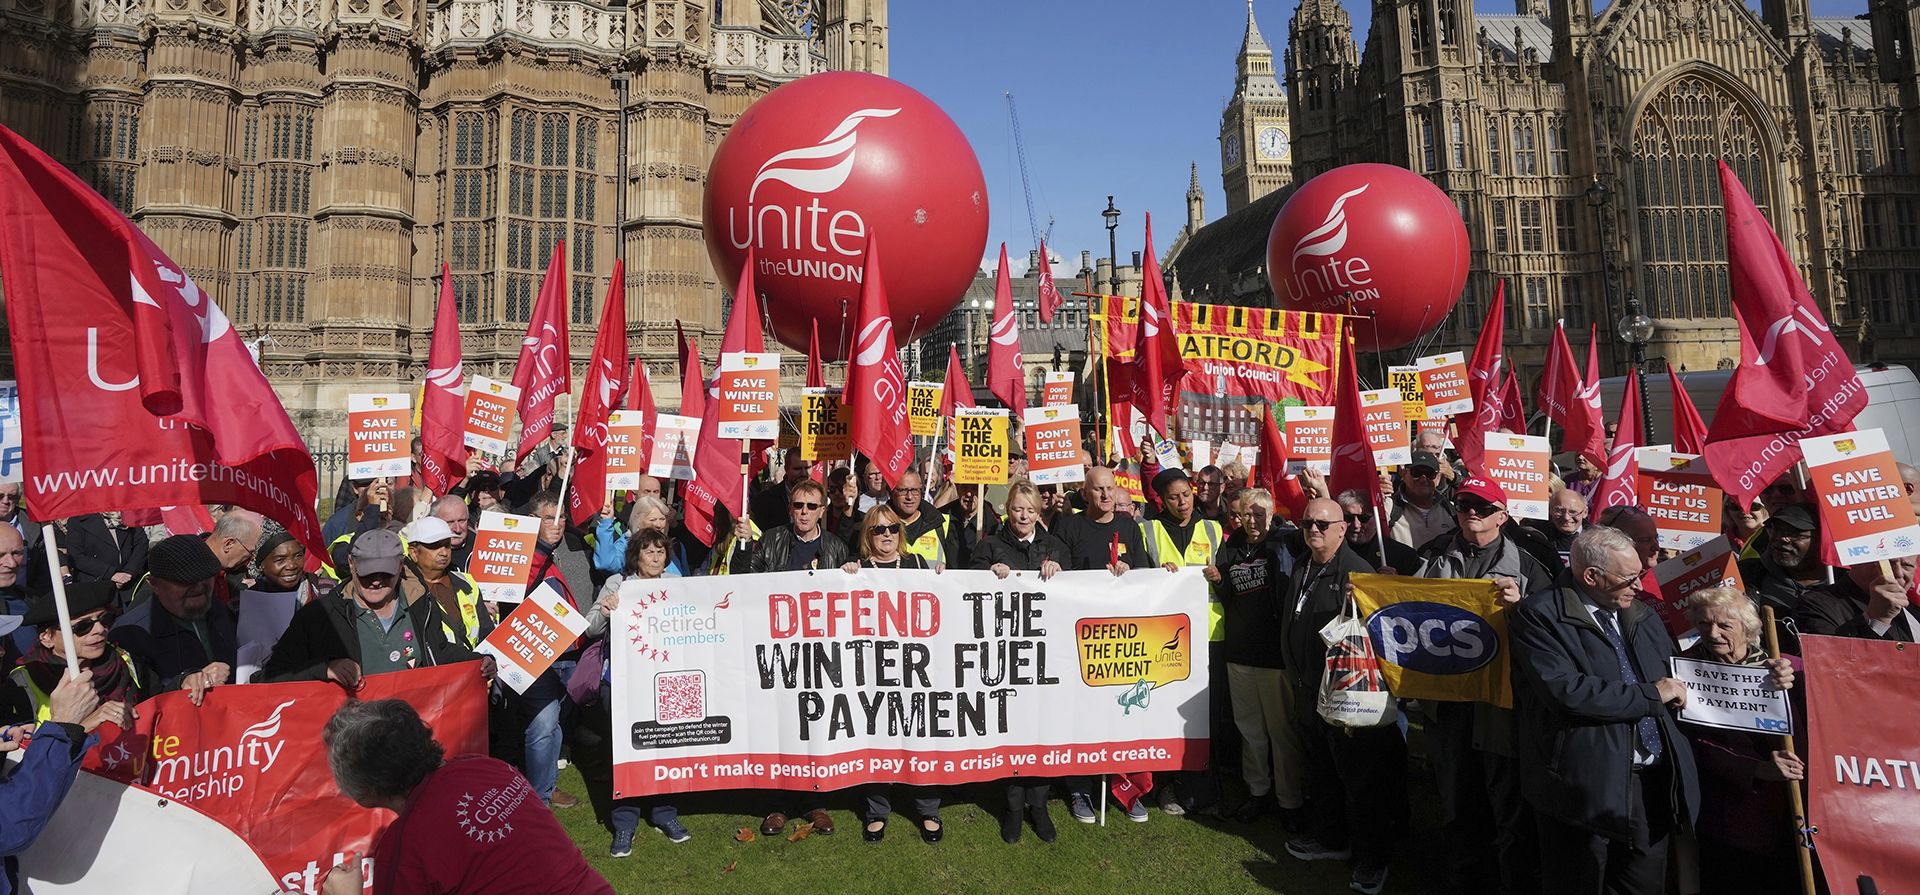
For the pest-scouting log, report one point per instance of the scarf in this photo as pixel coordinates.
(112, 678)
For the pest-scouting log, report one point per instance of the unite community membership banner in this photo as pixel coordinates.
(823, 680)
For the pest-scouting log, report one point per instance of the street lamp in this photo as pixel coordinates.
(1112, 214)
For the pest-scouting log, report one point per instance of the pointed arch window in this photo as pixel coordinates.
(1690, 125)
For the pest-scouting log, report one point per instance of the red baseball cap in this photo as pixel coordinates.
(1484, 488)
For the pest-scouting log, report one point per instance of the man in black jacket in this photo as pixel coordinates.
(799, 544)
(1790, 565)
(1863, 603)
(1603, 763)
(1363, 535)
(1356, 777)
(185, 633)
(364, 628)
(99, 548)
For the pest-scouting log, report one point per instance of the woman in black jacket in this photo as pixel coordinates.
(1022, 546)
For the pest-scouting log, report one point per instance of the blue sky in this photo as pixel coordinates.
(1115, 96)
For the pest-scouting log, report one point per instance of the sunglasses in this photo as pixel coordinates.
(1423, 473)
(85, 626)
(1477, 508)
(892, 529)
(804, 505)
(377, 582)
(1357, 518)
(1319, 524)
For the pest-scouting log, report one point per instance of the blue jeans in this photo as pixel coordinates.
(542, 702)
(626, 814)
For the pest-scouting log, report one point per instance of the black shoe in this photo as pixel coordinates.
(1042, 822)
(1010, 826)
(931, 836)
(1293, 820)
(870, 834)
(1254, 809)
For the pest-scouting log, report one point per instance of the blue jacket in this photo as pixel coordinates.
(610, 550)
(30, 795)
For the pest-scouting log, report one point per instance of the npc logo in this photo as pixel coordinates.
(1433, 638)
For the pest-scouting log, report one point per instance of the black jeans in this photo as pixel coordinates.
(1480, 794)
(1356, 785)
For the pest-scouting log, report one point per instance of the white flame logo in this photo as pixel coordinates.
(1786, 326)
(876, 342)
(1331, 235)
(838, 142)
(268, 728)
(1003, 331)
(446, 377)
(548, 341)
(213, 321)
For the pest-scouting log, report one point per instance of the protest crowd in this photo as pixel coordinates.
(1584, 774)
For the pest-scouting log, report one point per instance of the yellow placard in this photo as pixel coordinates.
(1443, 639)
(923, 407)
(980, 446)
(825, 425)
(1129, 651)
(1407, 380)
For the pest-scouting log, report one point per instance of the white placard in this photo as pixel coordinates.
(1732, 697)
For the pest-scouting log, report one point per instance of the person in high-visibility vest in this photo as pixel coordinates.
(464, 619)
(117, 679)
(928, 532)
(1176, 539)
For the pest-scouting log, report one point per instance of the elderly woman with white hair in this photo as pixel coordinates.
(610, 536)
(1745, 839)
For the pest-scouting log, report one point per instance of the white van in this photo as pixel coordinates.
(1893, 403)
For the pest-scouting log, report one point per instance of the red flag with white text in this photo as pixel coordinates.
(1353, 465)
(693, 379)
(443, 449)
(545, 370)
(716, 461)
(640, 398)
(1156, 384)
(1620, 482)
(1559, 380)
(1861, 723)
(606, 385)
(1794, 380)
(958, 392)
(1005, 377)
(876, 383)
(1488, 354)
(134, 389)
(1513, 413)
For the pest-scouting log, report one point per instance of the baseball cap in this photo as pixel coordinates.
(376, 552)
(1799, 517)
(1428, 459)
(1484, 488)
(429, 530)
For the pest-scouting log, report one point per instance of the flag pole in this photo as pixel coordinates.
(1379, 526)
(1802, 830)
(566, 472)
(60, 609)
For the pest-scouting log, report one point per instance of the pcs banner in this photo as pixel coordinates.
(824, 680)
(1438, 638)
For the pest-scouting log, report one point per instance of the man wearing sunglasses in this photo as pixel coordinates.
(1363, 535)
(185, 632)
(1606, 769)
(799, 544)
(1420, 512)
(1471, 745)
(119, 680)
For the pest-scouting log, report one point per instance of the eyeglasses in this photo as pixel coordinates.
(804, 505)
(906, 490)
(1320, 524)
(85, 626)
(1616, 582)
(1476, 508)
(892, 529)
(15, 498)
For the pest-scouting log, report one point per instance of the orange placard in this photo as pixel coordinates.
(625, 460)
(1124, 651)
(379, 436)
(1059, 389)
(1863, 503)
(531, 638)
(1707, 565)
(1053, 445)
(489, 415)
(503, 555)
(749, 400)
(1444, 385)
(1309, 438)
(1520, 464)
(1384, 415)
(1678, 491)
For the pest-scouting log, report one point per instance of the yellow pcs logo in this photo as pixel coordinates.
(380, 403)
(560, 609)
(1845, 446)
(510, 524)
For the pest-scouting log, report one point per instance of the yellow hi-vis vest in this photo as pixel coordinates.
(1207, 536)
(931, 545)
(466, 592)
(43, 701)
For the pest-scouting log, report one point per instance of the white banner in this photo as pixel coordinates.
(1735, 697)
(823, 680)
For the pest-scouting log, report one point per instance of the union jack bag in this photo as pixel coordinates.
(1353, 692)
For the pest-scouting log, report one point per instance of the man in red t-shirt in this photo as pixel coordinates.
(468, 826)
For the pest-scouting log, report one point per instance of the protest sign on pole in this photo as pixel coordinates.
(674, 437)
(1678, 491)
(1520, 463)
(1201, 450)
(1442, 639)
(980, 445)
(1732, 697)
(1863, 719)
(11, 469)
(531, 638)
(1863, 503)
(1384, 415)
(1309, 438)
(825, 422)
(1444, 386)
(1407, 380)
(1708, 565)
(1059, 389)
(490, 407)
(503, 555)
(749, 390)
(1053, 445)
(626, 431)
(923, 408)
(722, 683)
(379, 436)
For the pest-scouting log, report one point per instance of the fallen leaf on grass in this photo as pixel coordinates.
(744, 835)
(800, 832)
(729, 867)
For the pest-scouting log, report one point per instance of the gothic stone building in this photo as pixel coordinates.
(312, 163)
(1518, 116)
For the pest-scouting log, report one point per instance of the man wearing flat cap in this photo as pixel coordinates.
(367, 626)
(183, 632)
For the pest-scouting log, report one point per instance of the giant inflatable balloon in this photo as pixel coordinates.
(1377, 241)
(815, 166)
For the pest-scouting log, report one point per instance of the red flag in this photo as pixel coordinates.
(1689, 430)
(1005, 378)
(545, 370)
(187, 519)
(606, 386)
(640, 398)
(443, 451)
(1488, 354)
(816, 377)
(1050, 299)
(1270, 470)
(1353, 465)
(1775, 397)
(1586, 432)
(1513, 413)
(1157, 380)
(876, 385)
(693, 380)
(172, 409)
(958, 392)
(716, 461)
(1621, 481)
(1560, 381)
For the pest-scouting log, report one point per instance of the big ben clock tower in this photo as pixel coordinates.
(1256, 149)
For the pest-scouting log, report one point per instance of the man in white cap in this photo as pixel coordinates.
(430, 543)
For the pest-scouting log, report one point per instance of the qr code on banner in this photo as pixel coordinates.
(679, 696)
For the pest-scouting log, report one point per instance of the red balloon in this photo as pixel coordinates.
(1372, 240)
(815, 166)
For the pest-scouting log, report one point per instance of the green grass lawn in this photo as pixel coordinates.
(1184, 855)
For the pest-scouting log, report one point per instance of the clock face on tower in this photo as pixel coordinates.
(1273, 143)
(1231, 145)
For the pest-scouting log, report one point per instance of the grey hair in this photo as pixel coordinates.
(379, 750)
(1592, 547)
(1729, 597)
(1258, 497)
(1351, 496)
(646, 505)
(450, 502)
(238, 525)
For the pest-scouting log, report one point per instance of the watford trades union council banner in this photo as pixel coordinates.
(818, 681)
(1257, 353)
